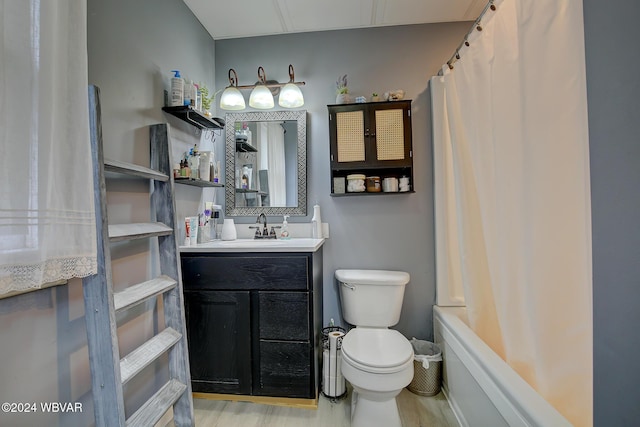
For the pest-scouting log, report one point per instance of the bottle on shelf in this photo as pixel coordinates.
(177, 90)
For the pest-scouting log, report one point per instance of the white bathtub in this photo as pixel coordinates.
(482, 389)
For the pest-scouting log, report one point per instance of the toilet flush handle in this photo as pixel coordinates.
(347, 285)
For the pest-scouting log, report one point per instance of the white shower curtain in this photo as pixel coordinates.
(513, 196)
(271, 148)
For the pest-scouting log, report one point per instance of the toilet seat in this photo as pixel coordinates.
(380, 351)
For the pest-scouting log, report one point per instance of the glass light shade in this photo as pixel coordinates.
(291, 96)
(232, 99)
(261, 98)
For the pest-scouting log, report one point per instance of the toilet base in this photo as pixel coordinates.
(370, 413)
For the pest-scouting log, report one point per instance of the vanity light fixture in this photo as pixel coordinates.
(261, 96)
(290, 95)
(231, 98)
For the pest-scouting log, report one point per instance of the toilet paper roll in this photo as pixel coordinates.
(332, 385)
(333, 340)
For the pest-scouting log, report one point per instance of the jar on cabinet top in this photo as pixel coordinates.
(373, 184)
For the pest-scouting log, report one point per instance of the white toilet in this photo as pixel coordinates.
(377, 361)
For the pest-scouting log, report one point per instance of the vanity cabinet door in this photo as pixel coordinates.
(219, 337)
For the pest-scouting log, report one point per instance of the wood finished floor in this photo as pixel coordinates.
(415, 411)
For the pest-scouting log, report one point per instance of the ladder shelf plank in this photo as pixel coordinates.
(154, 408)
(134, 170)
(143, 230)
(138, 359)
(136, 294)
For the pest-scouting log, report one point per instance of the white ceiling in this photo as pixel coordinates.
(226, 19)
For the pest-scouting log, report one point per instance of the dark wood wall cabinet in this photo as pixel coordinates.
(254, 322)
(373, 139)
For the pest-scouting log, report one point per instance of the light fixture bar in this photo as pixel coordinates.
(270, 85)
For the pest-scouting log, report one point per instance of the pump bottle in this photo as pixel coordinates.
(316, 223)
(177, 90)
(284, 233)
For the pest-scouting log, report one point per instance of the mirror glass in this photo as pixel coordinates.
(266, 163)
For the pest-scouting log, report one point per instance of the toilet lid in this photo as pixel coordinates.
(376, 350)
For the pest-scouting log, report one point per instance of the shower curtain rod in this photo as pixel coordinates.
(476, 26)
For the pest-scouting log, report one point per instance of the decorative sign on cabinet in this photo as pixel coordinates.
(371, 139)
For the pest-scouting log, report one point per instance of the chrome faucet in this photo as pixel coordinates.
(263, 218)
(265, 234)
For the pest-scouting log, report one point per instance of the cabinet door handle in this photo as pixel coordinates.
(366, 132)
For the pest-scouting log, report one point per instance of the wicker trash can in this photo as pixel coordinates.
(427, 368)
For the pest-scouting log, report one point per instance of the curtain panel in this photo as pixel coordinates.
(513, 194)
(47, 218)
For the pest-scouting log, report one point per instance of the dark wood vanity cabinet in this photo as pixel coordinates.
(372, 139)
(219, 340)
(254, 322)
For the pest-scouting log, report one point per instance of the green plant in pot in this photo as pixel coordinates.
(206, 100)
(342, 91)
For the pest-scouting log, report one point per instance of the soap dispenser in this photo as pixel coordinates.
(284, 233)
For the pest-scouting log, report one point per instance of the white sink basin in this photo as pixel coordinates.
(251, 245)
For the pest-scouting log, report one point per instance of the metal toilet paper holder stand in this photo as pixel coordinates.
(329, 390)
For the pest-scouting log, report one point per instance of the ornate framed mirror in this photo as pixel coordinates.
(266, 163)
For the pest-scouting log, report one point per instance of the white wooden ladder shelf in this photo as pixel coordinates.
(109, 372)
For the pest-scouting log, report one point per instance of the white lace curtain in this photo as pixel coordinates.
(47, 218)
(513, 195)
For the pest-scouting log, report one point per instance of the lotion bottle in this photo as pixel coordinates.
(316, 223)
(177, 90)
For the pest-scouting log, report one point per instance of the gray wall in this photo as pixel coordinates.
(43, 350)
(613, 89)
(387, 232)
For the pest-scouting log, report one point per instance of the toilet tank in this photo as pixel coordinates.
(371, 297)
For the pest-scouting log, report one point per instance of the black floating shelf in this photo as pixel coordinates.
(195, 117)
(243, 147)
(197, 182)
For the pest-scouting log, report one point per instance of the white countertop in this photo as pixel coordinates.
(300, 244)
